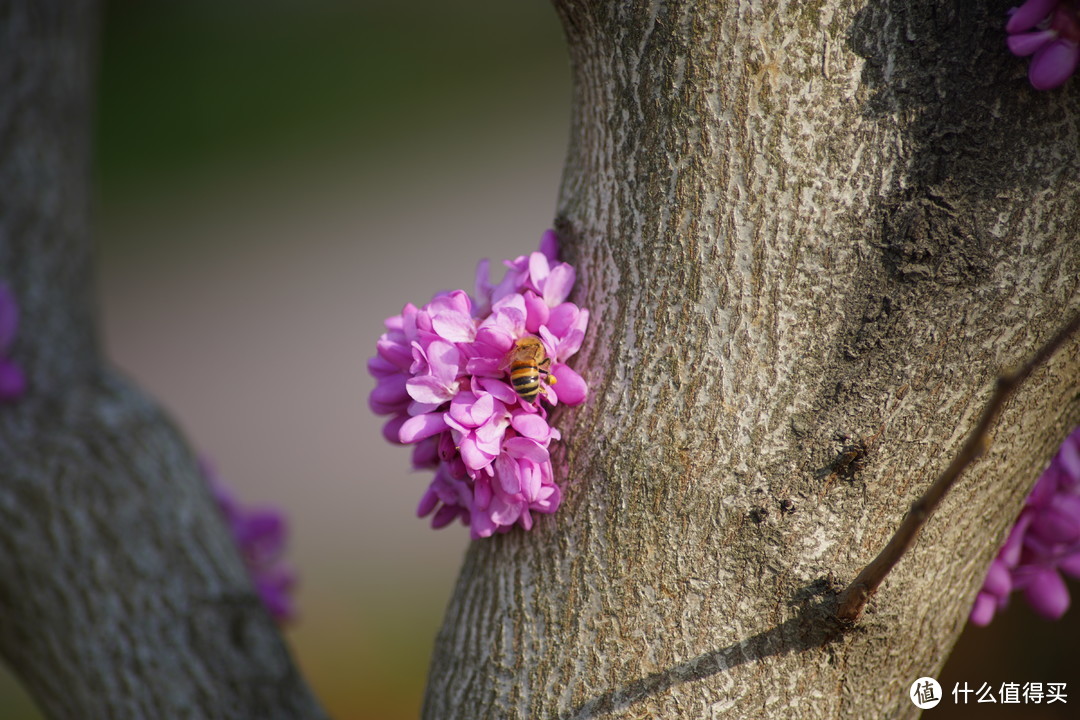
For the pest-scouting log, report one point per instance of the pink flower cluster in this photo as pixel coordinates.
(260, 535)
(1050, 31)
(1044, 542)
(12, 380)
(441, 374)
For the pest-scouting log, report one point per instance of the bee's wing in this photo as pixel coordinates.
(508, 359)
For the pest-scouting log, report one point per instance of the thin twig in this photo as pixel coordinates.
(851, 602)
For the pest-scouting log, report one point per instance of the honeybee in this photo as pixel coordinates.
(527, 362)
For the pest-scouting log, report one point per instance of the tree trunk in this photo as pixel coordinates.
(121, 592)
(810, 237)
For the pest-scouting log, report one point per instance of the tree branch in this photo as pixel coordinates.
(121, 592)
(788, 227)
(853, 599)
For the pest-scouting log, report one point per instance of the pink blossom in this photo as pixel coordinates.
(441, 374)
(260, 534)
(1048, 30)
(1043, 543)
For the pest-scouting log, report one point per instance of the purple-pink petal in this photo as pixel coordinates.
(421, 426)
(506, 470)
(582, 321)
(482, 492)
(499, 390)
(445, 515)
(548, 501)
(428, 389)
(1010, 551)
(1068, 504)
(531, 479)
(12, 381)
(571, 343)
(508, 315)
(481, 525)
(418, 325)
(558, 284)
(473, 413)
(398, 354)
(454, 326)
(262, 534)
(428, 503)
(1070, 565)
(1030, 14)
(572, 387)
(391, 430)
(426, 454)
(380, 367)
(1070, 458)
(273, 586)
(505, 511)
(456, 301)
(511, 305)
(1029, 43)
(445, 360)
(525, 520)
(551, 343)
(983, 610)
(551, 395)
(446, 489)
(998, 582)
(494, 341)
(537, 312)
(562, 318)
(474, 457)
(486, 367)
(457, 428)
(489, 440)
(1046, 487)
(390, 395)
(446, 447)
(1054, 525)
(1047, 594)
(1053, 64)
(549, 245)
(531, 426)
(538, 268)
(520, 447)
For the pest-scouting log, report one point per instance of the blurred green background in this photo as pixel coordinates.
(275, 178)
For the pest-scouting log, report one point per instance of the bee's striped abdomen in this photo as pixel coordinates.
(526, 380)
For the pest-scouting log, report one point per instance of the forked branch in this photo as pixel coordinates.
(853, 599)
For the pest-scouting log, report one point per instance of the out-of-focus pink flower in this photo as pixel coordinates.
(12, 379)
(261, 535)
(1043, 543)
(441, 376)
(1049, 30)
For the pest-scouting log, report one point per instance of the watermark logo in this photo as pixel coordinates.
(925, 693)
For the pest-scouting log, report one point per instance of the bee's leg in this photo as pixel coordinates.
(543, 367)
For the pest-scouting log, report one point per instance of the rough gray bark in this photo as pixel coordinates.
(811, 235)
(121, 592)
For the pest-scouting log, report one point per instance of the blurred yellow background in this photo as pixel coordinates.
(273, 180)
